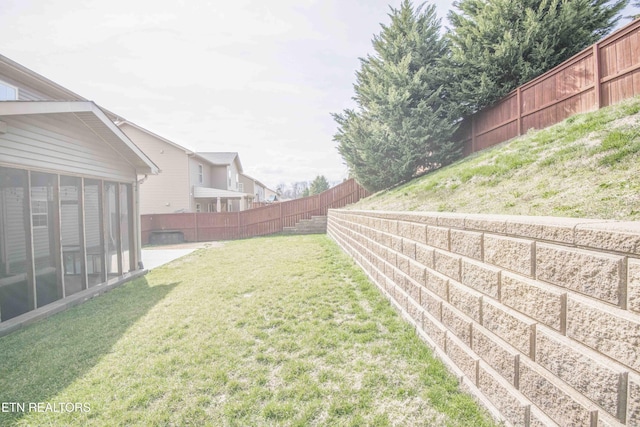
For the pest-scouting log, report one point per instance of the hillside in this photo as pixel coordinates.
(586, 166)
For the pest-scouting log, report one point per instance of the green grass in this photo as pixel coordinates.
(585, 166)
(271, 331)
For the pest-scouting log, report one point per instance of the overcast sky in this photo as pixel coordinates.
(260, 77)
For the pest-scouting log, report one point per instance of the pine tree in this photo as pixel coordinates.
(318, 185)
(497, 45)
(403, 123)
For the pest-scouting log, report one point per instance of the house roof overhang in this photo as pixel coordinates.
(214, 193)
(91, 116)
(34, 80)
(121, 122)
(221, 158)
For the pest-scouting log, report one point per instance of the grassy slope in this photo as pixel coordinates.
(270, 331)
(586, 166)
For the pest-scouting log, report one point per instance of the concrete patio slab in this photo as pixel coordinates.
(156, 256)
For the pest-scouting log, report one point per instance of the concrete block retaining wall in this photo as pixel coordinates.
(538, 316)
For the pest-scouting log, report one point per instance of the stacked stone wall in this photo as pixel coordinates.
(539, 317)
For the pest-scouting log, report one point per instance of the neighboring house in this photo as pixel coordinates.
(270, 196)
(68, 194)
(255, 187)
(221, 186)
(170, 190)
(189, 181)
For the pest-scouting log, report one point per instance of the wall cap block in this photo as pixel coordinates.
(610, 236)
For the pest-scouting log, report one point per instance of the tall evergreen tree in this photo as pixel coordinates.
(318, 185)
(497, 45)
(402, 124)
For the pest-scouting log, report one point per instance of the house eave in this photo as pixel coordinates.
(94, 119)
(210, 157)
(121, 122)
(34, 80)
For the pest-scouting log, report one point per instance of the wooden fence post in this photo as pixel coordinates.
(519, 100)
(239, 229)
(473, 133)
(596, 77)
(195, 224)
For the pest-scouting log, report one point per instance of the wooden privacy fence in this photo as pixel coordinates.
(202, 227)
(599, 76)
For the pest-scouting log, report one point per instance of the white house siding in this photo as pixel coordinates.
(235, 172)
(28, 94)
(219, 177)
(168, 191)
(59, 142)
(248, 186)
(25, 93)
(194, 173)
(258, 191)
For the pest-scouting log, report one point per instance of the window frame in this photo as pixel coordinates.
(10, 86)
(38, 213)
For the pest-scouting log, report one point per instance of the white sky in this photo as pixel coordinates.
(259, 77)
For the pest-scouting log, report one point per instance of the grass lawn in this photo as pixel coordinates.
(268, 331)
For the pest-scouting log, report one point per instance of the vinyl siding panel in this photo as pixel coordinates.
(247, 185)
(171, 185)
(235, 171)
(60, 143)
(258, 192)
(28, 94)
(219, 177)
(194, 178)
(25, 93)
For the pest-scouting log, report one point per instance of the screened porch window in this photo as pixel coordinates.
(77, 233)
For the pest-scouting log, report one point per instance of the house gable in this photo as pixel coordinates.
(68, 130)
(169, 191)
(226, 169)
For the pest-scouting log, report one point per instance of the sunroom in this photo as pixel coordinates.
(69, 219)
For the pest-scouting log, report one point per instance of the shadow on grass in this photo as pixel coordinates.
(38, 362)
